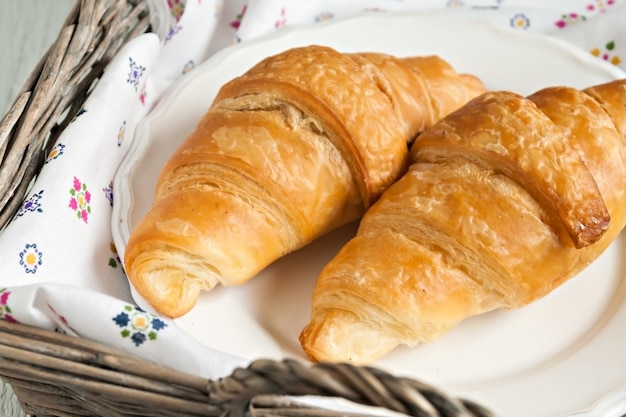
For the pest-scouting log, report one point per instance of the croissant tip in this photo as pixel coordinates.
(168, 292)
(342, 337)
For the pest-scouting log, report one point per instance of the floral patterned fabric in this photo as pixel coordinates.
(59, 268)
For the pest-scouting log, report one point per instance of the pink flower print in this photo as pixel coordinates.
(64, 326)
(80, 200)
(237, 22)
(600, 5)
(282, 19)
(569, 19)
(177, 8)
(143, 97)
(84, 215)
(4, 297)
(607, 53)
(5, 310)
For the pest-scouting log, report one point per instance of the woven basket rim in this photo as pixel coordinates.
(75, 369)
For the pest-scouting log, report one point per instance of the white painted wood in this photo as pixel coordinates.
(27, 29)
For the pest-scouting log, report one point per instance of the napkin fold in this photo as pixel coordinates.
(59, 266)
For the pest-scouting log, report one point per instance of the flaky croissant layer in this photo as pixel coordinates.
(297, 146)
(506, 198)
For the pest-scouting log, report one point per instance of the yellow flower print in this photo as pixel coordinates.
(55, 152)
(605, 53)
(520, 21)
(31, 259)
(140, 322)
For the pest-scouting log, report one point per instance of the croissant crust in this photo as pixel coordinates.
(505, 199)
(298, 145)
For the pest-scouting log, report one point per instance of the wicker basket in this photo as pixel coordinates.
(58, 375)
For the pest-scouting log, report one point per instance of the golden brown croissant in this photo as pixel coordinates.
(506, 199)
(300, 144)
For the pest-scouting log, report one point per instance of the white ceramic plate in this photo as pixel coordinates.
(558, 356)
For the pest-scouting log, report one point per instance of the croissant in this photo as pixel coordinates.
(300, 144)
(505, 199)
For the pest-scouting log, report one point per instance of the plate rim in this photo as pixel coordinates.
(125, 169)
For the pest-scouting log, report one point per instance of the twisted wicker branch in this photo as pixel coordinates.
(259, 386)
(57, 88)
(52, 373)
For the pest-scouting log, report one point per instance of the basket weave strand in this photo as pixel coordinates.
(55, 374)
(365, 385)
(57, 88)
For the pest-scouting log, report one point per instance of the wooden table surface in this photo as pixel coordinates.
(27, 29)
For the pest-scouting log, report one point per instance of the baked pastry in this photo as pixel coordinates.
(299, 145)
(506, 199)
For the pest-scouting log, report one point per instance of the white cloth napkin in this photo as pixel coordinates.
(58, 266)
